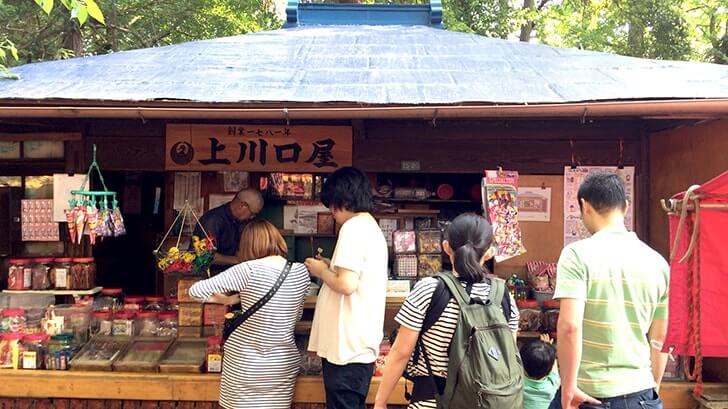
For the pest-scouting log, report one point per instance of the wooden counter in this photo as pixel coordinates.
(204, 387)
(146, 386)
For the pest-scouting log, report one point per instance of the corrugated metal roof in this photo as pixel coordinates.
(364, 64)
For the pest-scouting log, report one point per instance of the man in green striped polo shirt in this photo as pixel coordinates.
(613, 291)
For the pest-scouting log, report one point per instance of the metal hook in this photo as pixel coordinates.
(583, 117)
(285, 115)
(434, 118)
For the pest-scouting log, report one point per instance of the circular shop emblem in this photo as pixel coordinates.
(182, 153)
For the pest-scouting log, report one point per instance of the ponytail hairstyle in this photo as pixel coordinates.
(470, 236)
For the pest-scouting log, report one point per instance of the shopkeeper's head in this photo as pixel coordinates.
(246, 204)
(261, 239)
(346, 192)
(602, 200)
(468, 243)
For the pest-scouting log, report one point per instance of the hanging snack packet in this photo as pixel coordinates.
(71, 219)
(80, 212)
(102, 226)
(119, 228)
(92, 219)
(500, 196)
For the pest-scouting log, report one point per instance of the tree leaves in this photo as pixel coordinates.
(94, 11)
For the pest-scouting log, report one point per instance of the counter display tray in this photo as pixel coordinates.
(100, 353)
(187, 355)
(144, 354)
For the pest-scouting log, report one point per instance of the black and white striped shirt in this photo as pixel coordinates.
(261, 361)
(437, 338)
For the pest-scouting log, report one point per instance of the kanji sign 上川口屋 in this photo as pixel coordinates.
(258, 147)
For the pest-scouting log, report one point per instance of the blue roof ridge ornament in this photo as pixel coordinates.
(302, 14)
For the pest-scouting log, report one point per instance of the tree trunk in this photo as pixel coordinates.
(636, 39)
(527, 28)
(72, 37)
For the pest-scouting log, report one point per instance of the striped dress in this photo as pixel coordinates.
(261, 361)
(437, 338)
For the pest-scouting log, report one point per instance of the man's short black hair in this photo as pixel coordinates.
(604, 191)
(347, 189)
(538, 358)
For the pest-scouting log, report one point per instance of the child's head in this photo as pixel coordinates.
(538, 358)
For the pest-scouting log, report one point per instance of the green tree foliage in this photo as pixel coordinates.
(125, 24)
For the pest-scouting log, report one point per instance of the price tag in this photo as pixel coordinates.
(214, 363)
(61, 277)
(29, 360)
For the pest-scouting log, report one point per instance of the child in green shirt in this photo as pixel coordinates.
(542, 379)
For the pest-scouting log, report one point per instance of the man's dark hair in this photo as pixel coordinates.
(604, 191)
(347, 189)
(538, 358)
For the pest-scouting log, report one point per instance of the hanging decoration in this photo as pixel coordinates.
(196, 261)
(94, 213)
(500, 199)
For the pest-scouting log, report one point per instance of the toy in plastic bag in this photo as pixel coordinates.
(119, 228)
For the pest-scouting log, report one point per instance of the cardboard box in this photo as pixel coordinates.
(183, 287)
(189, 332)
(190, 314)
(213, 314)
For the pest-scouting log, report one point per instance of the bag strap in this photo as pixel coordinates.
(497, 293)
(242, 317)
(457, 290)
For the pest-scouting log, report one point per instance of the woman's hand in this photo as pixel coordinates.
(316, 267)
(380, 406)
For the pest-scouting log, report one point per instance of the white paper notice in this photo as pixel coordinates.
(62, 186)
(187, 187)
(534, 204)
(217, 200)
(574, 229)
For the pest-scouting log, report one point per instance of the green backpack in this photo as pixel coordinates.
(484, 369)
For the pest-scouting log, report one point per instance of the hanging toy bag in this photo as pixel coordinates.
(193, 261)
(89, 213)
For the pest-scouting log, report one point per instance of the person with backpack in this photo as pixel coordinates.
(457, 335)
(613, 290)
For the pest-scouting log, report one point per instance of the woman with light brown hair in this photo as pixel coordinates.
(261, 361)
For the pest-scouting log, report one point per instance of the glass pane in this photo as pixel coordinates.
(43, 149)
(9, 150)
(11, 181)
(50, 248)
(39, 187)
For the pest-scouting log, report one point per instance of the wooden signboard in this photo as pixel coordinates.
(261, 148)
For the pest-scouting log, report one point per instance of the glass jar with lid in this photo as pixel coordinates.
(60, 273)
(124, 324)
(172, 304)
(19, 274)
(109, 300)
(550, 316)
(133, 303)
(101, 323)
(154, 303)
(35, 349)
(41, 268)
(14, 320)
(530, 316)
(167, 324)
(83, 273)
(147, 323)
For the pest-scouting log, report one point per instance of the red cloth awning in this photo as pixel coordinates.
(705, 273)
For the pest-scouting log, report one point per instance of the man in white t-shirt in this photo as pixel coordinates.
(349, 319)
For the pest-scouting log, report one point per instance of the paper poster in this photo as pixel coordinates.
(574, 229)
(62, 186)
(500, 195)
(388, 226)
(36, 217)
(302, 219)
(235, 181)
(217, 200)
(187, 187)
(534, 204)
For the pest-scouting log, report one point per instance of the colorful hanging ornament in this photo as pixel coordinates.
(119, 228)
(92, 219)
(71, 220)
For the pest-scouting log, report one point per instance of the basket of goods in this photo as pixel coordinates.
(188, 260)
(542, 279)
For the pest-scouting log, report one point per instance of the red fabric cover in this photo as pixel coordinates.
(713, 292)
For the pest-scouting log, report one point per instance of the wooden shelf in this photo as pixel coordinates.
(314, 235)
(396, 302)
(433, 201)
(529, 334)
(76, 293)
